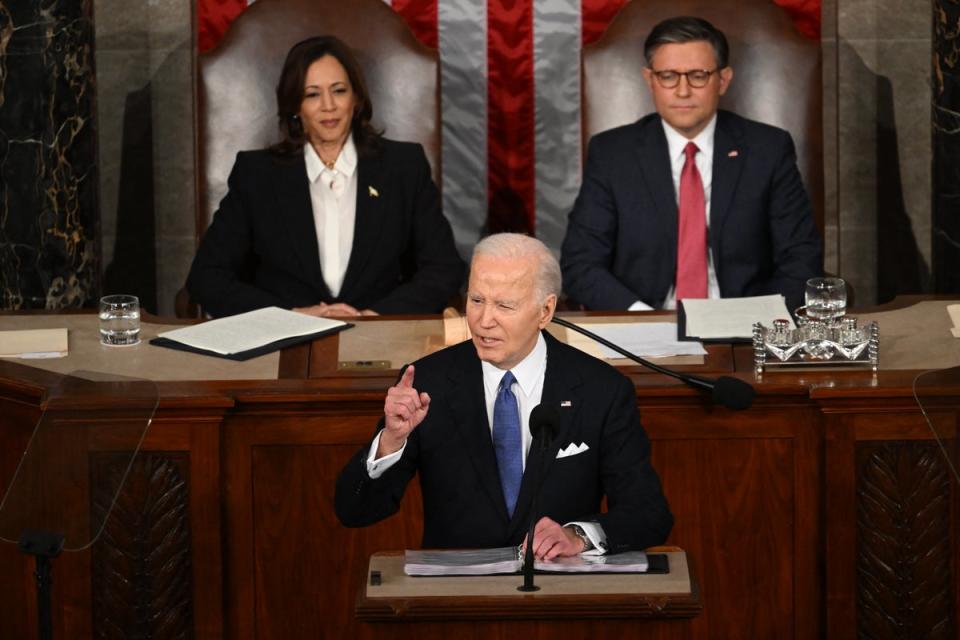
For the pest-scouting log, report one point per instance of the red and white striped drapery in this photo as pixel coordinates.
(510, 101)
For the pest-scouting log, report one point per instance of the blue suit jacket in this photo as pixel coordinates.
(453, 452)
(261, 248)
(621, 242)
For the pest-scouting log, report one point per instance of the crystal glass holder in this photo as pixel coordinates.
(837, 342)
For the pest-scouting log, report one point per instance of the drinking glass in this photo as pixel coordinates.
(826, 298)
(119, 320)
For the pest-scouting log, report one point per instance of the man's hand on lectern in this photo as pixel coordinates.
(403, 410)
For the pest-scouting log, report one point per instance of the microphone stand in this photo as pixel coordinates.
(732, 392)
(528, 555)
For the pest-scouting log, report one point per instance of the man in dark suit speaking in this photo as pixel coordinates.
(640, 236)
(460, 417)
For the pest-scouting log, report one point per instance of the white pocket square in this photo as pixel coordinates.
(572, 450)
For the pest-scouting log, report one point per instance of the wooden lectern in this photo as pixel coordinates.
(568, 605)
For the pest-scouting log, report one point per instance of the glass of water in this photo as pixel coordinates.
(826, 298)
(119, 320)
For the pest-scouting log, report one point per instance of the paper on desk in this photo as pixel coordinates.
(953, 310)
(732, 317)
(647, 339)
(246, 331)
(33, 343)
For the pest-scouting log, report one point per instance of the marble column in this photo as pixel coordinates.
(48, 155)
(946, 146)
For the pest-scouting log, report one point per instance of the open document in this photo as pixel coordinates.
(508, 560)
(251, 334)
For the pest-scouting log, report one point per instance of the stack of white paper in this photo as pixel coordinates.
(730, 318)
(484, 562)
(645, 339)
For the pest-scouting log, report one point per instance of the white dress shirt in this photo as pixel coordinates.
(676, 143)
(528, 389)
(333, 196)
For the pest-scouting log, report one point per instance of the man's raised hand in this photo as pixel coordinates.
(403, 409)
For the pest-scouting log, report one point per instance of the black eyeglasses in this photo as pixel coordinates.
(669, 79)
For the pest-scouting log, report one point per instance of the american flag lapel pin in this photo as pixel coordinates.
(733, 154)
(566, 403)
(373, 192)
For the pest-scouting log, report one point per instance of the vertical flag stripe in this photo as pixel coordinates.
(421, 17)
(510, 115)
(556, 69)
(462, 26)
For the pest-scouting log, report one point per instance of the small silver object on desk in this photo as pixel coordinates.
(816, 342)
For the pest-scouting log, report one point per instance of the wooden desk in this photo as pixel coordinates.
(826, 510)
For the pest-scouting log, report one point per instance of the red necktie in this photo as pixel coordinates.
(692, 228)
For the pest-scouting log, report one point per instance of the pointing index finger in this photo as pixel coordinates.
(407, 379)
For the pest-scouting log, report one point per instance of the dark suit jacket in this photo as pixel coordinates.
(453, 452)
(621, 242)
(261, 249)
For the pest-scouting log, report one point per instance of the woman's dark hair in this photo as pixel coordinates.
(290, 94)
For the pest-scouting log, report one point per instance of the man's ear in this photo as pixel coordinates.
(547, 310)
(648, 76)
(726, 76)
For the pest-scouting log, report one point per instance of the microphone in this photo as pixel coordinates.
(731, 392)
(543, 425)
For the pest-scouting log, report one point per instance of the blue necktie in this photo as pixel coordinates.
(507, 441)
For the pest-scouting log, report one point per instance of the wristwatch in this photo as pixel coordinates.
(580, 533)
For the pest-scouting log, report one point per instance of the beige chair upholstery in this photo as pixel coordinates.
(777, 77)
(237, 81)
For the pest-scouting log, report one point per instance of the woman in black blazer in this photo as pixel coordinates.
(333, 220)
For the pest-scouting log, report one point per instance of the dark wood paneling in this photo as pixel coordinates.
(904, 542)
(305, 561)
(141, 565)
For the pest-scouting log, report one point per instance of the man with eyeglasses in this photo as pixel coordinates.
(691, 201)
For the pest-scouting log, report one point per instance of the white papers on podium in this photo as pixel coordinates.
(33, 343)
(475, 562)
(732, 318)
(249, 332)
(508, 560)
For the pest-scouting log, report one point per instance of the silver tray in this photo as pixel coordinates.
(817, 343)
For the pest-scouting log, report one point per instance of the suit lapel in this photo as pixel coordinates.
(470, 417)
(368, 225)
(296, 213)
(560, 384)
(726, 175)
(654, 161)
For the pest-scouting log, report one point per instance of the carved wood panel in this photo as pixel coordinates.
(903, 542)
(141, 566)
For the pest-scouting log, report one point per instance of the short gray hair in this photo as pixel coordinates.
(547, 279)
